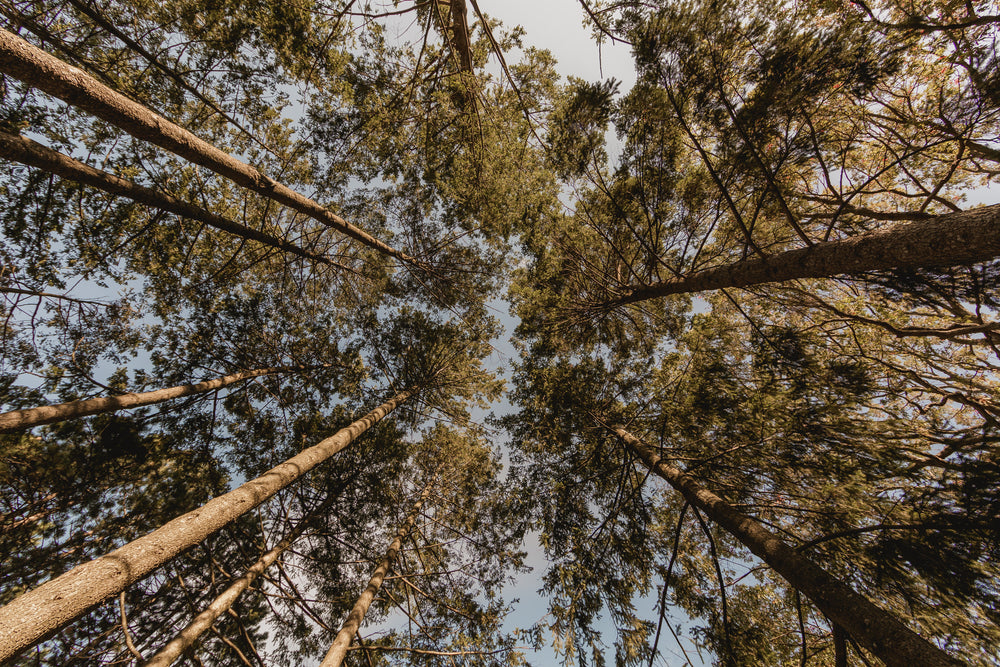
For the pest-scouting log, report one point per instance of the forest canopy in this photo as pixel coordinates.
(258, 260)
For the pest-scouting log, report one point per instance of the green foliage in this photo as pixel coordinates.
(578, 125)
(857, 418)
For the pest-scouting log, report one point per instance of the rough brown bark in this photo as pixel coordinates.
(203, 621)
(341, 643)
(37, 68)
(460, 34)
(875, 629)
(952, 239)
(39, 613)
(17, 420)
(34, 154)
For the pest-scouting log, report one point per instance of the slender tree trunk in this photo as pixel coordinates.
(952, 239)
(875, 629)
(17, 420)
(460, 34)
(33, 154)
(203, 621)
(39, 613)
(335, 656)
(37, 68)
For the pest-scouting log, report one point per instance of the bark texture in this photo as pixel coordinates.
(39, 613)
(17, 420)
(203, 621)
(341, 643)
(37, 68)
(874, 628)
(34, 154)
(952, 239)
(460, 34)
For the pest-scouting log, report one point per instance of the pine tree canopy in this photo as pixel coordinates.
(334, 330)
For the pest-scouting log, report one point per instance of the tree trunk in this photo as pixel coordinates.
(460, 34)
(839, 647)
(33, 154)
(335, 656)
(875, 629)
(39, 613)
(203, 621)
(952, 239)
(17, 420)
(37, 68)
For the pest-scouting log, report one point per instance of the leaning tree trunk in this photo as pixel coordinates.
(203, 621)
(875, 629)
(37, 68)
(39, 613)
(335, 656)
(17, 420)
(34, 154)
(952, 239)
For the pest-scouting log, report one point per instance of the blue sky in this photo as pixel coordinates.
(557, 25)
